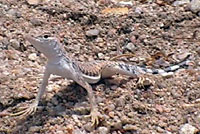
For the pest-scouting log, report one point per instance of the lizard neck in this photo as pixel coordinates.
(57, 59)
(54, 52)
(54, 60)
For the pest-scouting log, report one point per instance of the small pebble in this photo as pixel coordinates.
(103, 130)
(126, 3)
(112, 32)
(145, 131)
(34, 129)
(131, 114)
(13, 54)
(111, 114)
(92, 32)
(198, 78)
(117, 125)
(114, 87)
(14, 12)
(138, 10)
(103, 2)
(133, 39)
(129, 127)
(59, 109)
(100, 55)
(15, 44)
(159, 129)
(130, 47)
(88, 127)
(36, 22)
(198, 118)
(1, 38)
(32, 57)
(111, 107)
(120, 102)
(195, 6)
(167, 132)
(198, 51)
(78, 131)
(187, 129)
(180, 2)
(34, 2)
(99, 99)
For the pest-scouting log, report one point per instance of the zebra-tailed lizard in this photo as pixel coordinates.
(82, 72)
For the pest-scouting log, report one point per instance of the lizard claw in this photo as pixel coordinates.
(94, 115)
(143, 81)
(25, 111)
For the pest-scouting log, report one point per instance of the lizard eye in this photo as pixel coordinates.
(46, 36)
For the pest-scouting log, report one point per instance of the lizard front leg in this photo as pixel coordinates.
(94, 110)
(25, 111)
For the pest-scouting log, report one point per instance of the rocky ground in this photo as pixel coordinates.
(156, 33)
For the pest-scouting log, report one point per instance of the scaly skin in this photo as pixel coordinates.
(82, 73)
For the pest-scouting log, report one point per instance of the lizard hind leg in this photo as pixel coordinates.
(94, 114)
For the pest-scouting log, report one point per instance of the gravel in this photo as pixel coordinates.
(157, 33)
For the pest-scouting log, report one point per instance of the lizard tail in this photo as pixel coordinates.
(132, 70)
(168, 70)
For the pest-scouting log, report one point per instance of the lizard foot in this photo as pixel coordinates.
(94, 115)
(25, 111)
(143, 82)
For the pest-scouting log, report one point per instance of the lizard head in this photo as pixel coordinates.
(49, 46)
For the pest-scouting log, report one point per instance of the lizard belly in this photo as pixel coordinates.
(61, 69)
(91, 79)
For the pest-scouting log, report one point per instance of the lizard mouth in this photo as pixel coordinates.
(34, 41)
(31, 39)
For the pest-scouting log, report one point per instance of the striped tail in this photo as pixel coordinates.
(132, 70)
(168, 70)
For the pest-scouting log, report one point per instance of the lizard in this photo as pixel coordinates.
(83, 73)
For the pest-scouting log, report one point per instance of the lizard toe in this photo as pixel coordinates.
(25, 111)
(95, 115)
